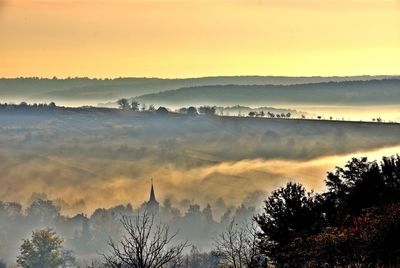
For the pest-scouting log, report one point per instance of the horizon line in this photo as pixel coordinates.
(195, 77)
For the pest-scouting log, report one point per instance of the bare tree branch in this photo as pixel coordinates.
(145, 245)
(237, 246)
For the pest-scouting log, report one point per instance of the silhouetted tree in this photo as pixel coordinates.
(84, 237)
(194, 212)
(43, 211)
(207, 110)
(135, 105)
(123, 104)
(353, 223)
(361, 184)
(289, 212)
(145, 245)
(162, 110)
(390, 167)
(192, 111)
(182, 110)
(207, 213)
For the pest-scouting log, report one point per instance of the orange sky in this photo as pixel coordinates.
(188, 38)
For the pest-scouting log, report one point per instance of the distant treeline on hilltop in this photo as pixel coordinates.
(373, 92)
(108, 90)
(133, 106)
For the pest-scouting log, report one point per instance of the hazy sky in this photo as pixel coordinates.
(186, 38)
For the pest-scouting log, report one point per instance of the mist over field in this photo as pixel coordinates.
(107, 158)
(86, 159)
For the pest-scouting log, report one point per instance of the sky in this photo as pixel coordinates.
(192, 38)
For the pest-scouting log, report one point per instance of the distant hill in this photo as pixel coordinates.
(371, 92)
(104, 90)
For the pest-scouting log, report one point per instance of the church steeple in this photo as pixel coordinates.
(152, 195)
(152, 205)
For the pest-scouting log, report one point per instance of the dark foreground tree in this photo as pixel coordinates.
(43, 250)
(144, 245)
(356, 223)
(289, 213)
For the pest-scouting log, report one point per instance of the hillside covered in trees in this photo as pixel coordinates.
(92, 91)
(373, 92)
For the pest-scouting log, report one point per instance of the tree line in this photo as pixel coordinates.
(24, 104)
(355, 223)
(135, 106)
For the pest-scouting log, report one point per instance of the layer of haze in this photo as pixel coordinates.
(177, 38)
(93, 160)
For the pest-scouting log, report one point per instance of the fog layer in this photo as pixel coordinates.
(107, 158)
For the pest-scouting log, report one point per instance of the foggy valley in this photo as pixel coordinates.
(199, 133)
(207, 169)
